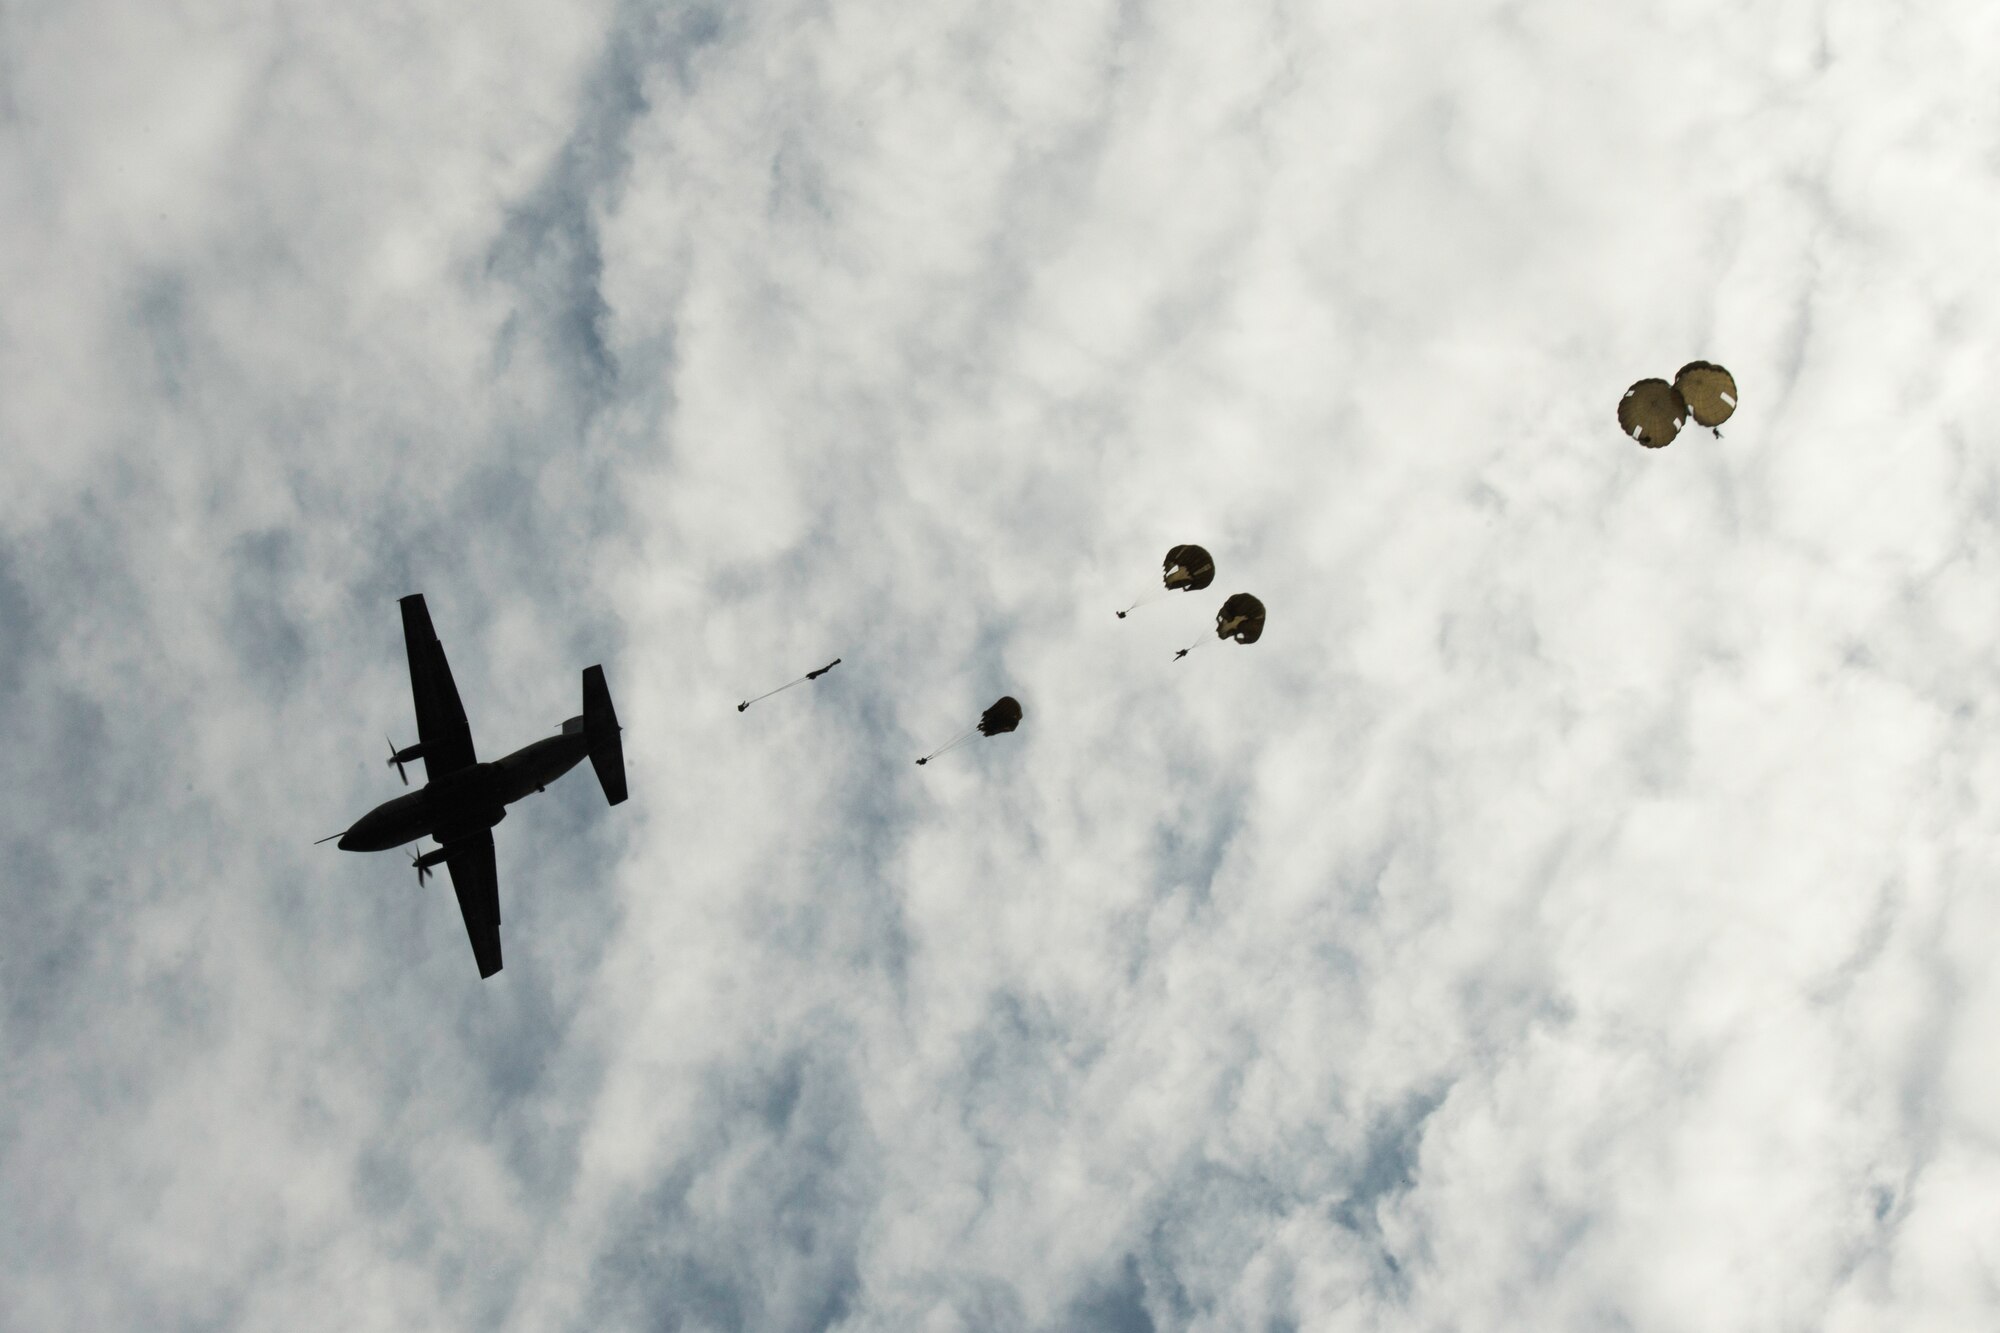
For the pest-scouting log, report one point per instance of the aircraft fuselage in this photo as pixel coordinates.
(458, 805)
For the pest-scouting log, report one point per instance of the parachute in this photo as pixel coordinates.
(1710, 392)
(1004, 715)
(1186, 568)
(1241, 618)
(1651, 412)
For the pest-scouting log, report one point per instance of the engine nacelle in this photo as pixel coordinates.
(397, 758)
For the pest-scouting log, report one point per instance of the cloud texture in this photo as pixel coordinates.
(1574, 914)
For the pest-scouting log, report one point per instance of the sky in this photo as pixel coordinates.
(1574, 913)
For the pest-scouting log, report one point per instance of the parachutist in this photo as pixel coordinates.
(1186, 569)
(810, 675)
(1653, 411)
(1241, 618)
(1003, 716)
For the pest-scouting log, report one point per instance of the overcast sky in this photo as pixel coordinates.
(1576, 913)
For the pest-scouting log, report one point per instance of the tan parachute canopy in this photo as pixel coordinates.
(1188, 568)
(1710, 392)
(1651, 412)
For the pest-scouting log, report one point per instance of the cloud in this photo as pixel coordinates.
(1570, 914)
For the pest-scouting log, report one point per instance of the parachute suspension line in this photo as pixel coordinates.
(1147, 600)
(952, 744)
(768, 693)
(965, 740)
(1206, 638)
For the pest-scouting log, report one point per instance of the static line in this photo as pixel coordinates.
(810, 675)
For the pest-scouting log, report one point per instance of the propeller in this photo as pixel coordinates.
(423, 871)
(397, 758)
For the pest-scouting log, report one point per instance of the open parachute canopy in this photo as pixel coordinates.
(1004, 715)
(1709, 390)
(1188, 568)
(1241, 618)
(1651, 412)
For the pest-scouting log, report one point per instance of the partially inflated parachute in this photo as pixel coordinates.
(1187, 568)
(1004, 715)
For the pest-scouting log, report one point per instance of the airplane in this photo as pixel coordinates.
(463, 798)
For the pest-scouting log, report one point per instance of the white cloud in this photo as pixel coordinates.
(1571, 914)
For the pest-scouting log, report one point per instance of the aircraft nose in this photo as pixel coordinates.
(346, 843)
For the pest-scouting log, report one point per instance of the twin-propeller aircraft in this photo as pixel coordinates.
(464, 798)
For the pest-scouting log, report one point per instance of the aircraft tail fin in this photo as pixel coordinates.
(600, 725)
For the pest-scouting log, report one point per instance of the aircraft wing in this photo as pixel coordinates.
(470, 861)
(441, 726)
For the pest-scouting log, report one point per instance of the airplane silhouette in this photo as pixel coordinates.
(464, 798)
